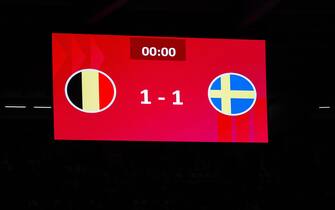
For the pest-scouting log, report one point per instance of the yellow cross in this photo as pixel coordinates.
(226, 94)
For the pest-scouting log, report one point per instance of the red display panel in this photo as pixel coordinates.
(157, 49)
(136, 88)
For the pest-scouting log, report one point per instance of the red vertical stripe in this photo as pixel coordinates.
(225, 128)
(242, 127)
(106, 91)
(252, 126)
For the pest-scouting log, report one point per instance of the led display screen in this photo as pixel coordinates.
(145, 88)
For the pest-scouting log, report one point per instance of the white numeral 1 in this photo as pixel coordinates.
(146, 97)
(177, 94)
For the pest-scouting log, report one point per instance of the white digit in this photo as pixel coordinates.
(153, 51)
(165, 51)
(145, 51)
(177, 94)
(172, 52)
(145, 93)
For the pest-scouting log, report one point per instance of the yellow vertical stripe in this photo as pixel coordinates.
(225, 99)
(90, 90)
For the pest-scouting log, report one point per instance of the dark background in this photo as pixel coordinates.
(295, 170)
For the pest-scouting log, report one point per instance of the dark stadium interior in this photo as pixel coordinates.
(294, 170)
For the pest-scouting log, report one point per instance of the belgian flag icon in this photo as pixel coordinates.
(90, 90)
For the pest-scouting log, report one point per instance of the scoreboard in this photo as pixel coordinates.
(145, 88)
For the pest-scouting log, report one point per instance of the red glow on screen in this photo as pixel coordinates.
(135, 88)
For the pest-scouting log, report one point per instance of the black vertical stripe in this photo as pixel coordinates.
(74, 91)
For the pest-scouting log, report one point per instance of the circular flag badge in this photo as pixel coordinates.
(232, 94)
(90, 90)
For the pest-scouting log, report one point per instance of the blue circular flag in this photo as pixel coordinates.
(232, 94)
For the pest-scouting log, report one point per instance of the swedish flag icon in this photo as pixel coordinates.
(232, 94)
